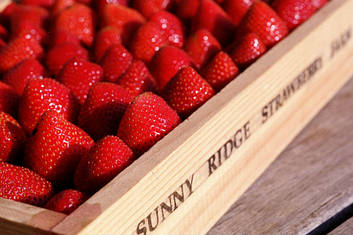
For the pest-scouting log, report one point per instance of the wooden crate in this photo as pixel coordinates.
(190, 178)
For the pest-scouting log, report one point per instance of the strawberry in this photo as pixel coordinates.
(220, 71)
(124, 19)
(11, 137)
(137, 79)
(23, 185)
(63, 36)
(102, 3)
(147, 41)
(105, 38)
(147, 120)
(42, 3)
(150, 7)
(318, 3)
(2, 43)
(167, 62)
(6, 13)
(79, 76)
(170, 26)
(9, 99)
(60, 5)
(103, 109)
(187, 9)
(187, 91)
(115, 62)
(3, 32)
(18, 49)
(78, 19)
(264, 22)
(19, 75)
(60, 54)
(237, 9)
(294, 12)
(30, 17)
(105, 160)
(249, 49)
(66, 201)
(41, 95)
(56, 148)
(211, 16)
(201, 46)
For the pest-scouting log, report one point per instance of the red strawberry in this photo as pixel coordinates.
(6, 13)
(60, 5)
(104, 107)
(237, 9)
(318, 3)
(42, 3)
(147, 41)
(18, 49)
(102, 3)
(150, 7)
(23, 185)
(115, 62)
(41, 95)
(167, 62)
(56, 148)
(20, 74)
(2, 43)
(137, 79)
(187, 91)
(170, 26)
(78, 19)
(220, 71)
(66, 201)
(212, 17)
(9, 99)
(63, 36)
(79, 76)
(201, 46)
(124, 19)
(30, 17)
(147, 120)
(105, 38)
(294, 12)
(264, 22)
(187, 9)
(59, 55)
(3, 32)
(11, 137)
(105, 160)
(249, 49)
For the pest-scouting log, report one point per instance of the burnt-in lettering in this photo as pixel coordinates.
(189, 184)
(178, 197)
(150, 218)
(165, 207)
(141, 229)
(211, 164)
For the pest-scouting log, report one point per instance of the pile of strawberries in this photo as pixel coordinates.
(90, 85)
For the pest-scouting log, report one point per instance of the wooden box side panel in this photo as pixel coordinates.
(172, 170)
(21, 218)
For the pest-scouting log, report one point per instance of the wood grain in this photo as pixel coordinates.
(344, 229)
(135, 193)
(21, 218)
(309, 183)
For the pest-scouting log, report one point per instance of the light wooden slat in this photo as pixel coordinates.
(309, 183)
(4, 3)
(21, 218)
(121, 205)
(344, 229)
